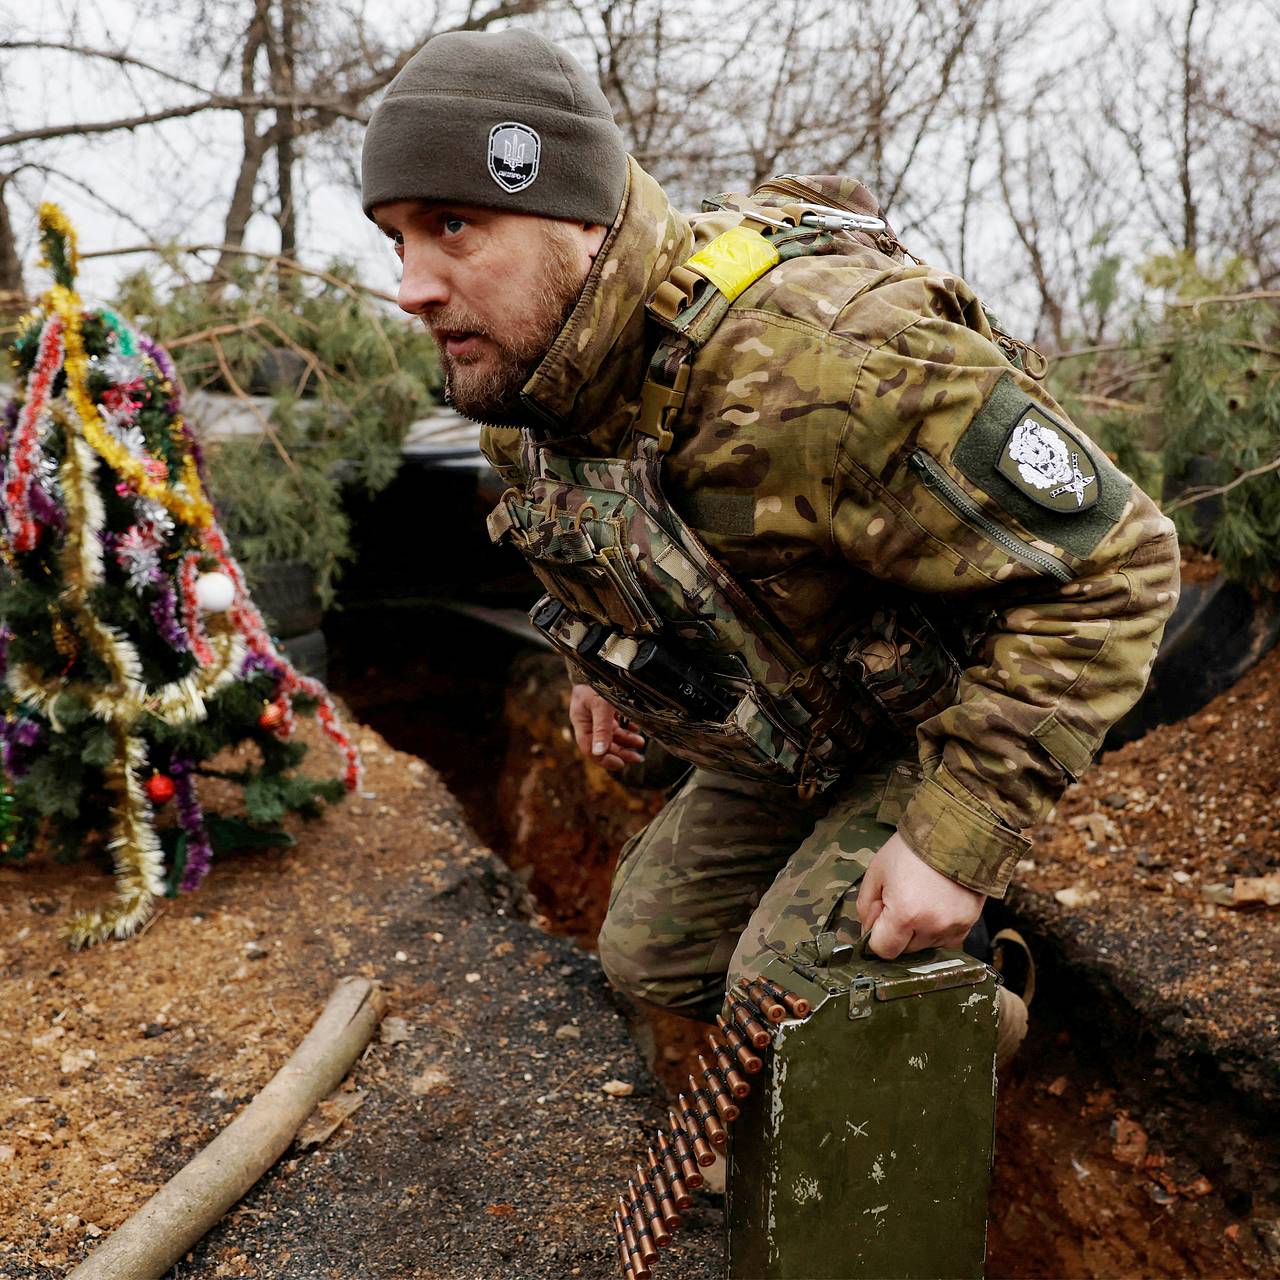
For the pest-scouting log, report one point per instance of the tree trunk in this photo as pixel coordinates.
(285, 54)
(1189, 230)
(10, 263)
(255, 148)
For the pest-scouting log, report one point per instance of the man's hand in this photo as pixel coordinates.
(909, 906)
(598, 733)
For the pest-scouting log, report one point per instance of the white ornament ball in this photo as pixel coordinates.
(214, 592)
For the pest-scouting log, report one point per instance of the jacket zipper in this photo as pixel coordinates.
(952, 495)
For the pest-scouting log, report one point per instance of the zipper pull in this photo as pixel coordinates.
(919, 465)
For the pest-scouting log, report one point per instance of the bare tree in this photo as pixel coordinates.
(10, 262)
(301, 68)
(709, 97)
(1191, 93)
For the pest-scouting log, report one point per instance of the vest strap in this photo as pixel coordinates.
(659, 404)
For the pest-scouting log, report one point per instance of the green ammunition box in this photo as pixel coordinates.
(865, 1148)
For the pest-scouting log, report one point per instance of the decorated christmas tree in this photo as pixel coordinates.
(130, 651)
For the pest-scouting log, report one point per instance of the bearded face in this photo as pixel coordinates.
(494, 288)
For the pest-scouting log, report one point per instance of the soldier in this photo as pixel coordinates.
(802, 511)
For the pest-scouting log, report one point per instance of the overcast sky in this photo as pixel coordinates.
(172, 182)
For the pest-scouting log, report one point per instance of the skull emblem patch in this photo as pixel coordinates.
(1043, 460)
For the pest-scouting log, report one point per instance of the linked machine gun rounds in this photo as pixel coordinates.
(698, 1125)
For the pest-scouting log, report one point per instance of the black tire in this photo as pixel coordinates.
(309, 654)
(285, 591)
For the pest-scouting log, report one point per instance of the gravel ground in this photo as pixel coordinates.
(1136, 1132)
(485, 1148)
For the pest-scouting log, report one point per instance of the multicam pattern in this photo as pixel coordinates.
(811, 399)
(731, 870)
(601, 538)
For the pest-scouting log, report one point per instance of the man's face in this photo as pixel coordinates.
(493, 287)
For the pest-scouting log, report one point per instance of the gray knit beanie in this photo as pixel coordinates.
(505, 120)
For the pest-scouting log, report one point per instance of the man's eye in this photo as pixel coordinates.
(397, 242)
(453, 226)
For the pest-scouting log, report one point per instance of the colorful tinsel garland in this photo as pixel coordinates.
(232, 645)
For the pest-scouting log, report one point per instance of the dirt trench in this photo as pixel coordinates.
(1111, 1159)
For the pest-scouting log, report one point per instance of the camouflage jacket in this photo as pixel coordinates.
(847, 435)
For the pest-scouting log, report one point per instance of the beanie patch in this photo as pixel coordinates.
(515, 152)
(436, 136)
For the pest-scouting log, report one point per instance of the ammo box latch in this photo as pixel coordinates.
(862, 992)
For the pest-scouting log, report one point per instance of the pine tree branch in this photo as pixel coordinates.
(207, 335)
(275, 259)
(1254, 295)
(1200, 494)
(240, 393)
(1101, 349)
(1106, 402)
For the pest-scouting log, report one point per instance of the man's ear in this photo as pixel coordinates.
(597, 233)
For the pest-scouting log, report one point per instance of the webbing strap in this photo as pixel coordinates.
(660, 403)
(697, 295)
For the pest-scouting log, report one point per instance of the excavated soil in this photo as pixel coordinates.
(1143, 857)
(1122, 1148)
(1133, 1136)
(486, 1145)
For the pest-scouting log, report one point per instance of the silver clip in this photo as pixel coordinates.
(832, 219)
(757, 216)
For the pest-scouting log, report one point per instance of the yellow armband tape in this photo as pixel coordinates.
(733, 260)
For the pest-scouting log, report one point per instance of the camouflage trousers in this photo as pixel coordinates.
(731, 869)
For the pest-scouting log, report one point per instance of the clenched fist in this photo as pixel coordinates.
(597, 732)
(909, 906)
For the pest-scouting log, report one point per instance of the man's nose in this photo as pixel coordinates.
(424, 287)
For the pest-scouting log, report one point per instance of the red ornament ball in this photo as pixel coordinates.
(159, 788)
(272, 716)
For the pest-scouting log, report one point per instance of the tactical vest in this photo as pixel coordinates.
(656, 624)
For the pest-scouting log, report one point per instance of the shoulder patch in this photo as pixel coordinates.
(1045, 460)
(1042, 470)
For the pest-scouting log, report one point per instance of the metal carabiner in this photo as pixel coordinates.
(830, 218)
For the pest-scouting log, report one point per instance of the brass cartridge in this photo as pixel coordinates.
(679, 1191)
(752, 1027)
(797, 1006)
(693, 1128)
(639, 1220)
(724, 1062)
(689, 1170)
(663, 1190)
(638, 1265)
(767, 1005)
(726, 1109)
(628, 1271)
(748, 1059)
(657, 1225)
(711, 1125)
